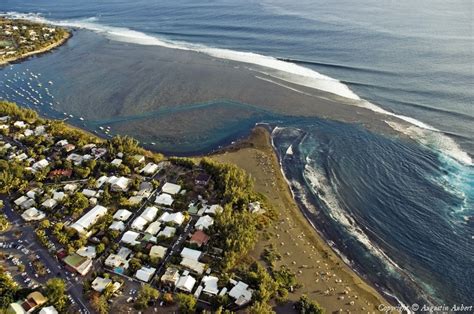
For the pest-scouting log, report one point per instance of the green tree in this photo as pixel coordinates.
(146, 294)
(261, 308)
(186, 303)
(55, 291)
(305, 306)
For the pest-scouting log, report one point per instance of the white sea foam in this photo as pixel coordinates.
(435, 140)
(280, 69)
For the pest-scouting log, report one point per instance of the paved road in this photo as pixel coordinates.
(28, 236)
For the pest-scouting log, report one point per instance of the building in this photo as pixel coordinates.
(170, 277)
(153, 228)
(164, 199)
(210, 285)
(116, 162)
(90, 218)
(168, 232)
(176, 218)
(33, 301)
(122, 215)
(145, 273)
(48, 310)
(49, 203)
(130, 237)
(204, 222)
(32, 214)
(149, 213)
(119, 184)
(139, 223)
(186, 283)
(75, 262)
(100, 284)
(171, 188)
(199, 238)
(191, 254)
(158, 251)
(149, 169)
(193, 265)
(87, 251)
(117, 225)
(241, 293)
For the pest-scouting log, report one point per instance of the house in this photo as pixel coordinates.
(120, 184)
(116, 162)
(15, 308)
(33, 300)
(89, 193)
(204, 222)
(40, 130)
(58, 173)
(87, 251)
(58, 196)
(149, 169)
(37, 166)
(176, 218)
(164, 199)
(210, 285)
(170, 277)
(130, 237)
(149, 213)
(168, 232)
(90, 218)
(139, 223)
(75, 262)
(48, 310)
(29, 203)
(199, 238)
(139, 158)
(49, 203)
(241, 293)
(75, 159)
(186, 283)
(32, 214)
(136, 199)
(158, 251)
(20, 200)
(153, 228)
(62, 143)
(145, 189)
(191, 254)
(118, 261)
(20, 124)
(100, 284)
(145, 273)
(70, 188)
(117, 225)
(171, 188)
(69, 147)
(203, 179)
(193, 265)
(213, 209)
(122, 215)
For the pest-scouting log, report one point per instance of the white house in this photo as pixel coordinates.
(191, 254)
(171, 188)
(168, 232)
(158, 251)
(139, 223)
(120, 184)
(149, 213)
(186, 283)
(32, 214)
(130, 237)
(176, 218)
(90, 218)
(149, 169)
(145, 273)
(153, 228)
(241, 293)
(204, 222)
(117, 225)
(49, 203)
(210, 285)
(122, 215)
(164, 199)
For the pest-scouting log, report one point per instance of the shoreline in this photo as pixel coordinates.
(38, 52)
(354, 292)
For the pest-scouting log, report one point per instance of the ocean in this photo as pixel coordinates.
(187, 77)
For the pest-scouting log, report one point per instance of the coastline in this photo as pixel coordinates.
(37, 52)
(324, 276)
